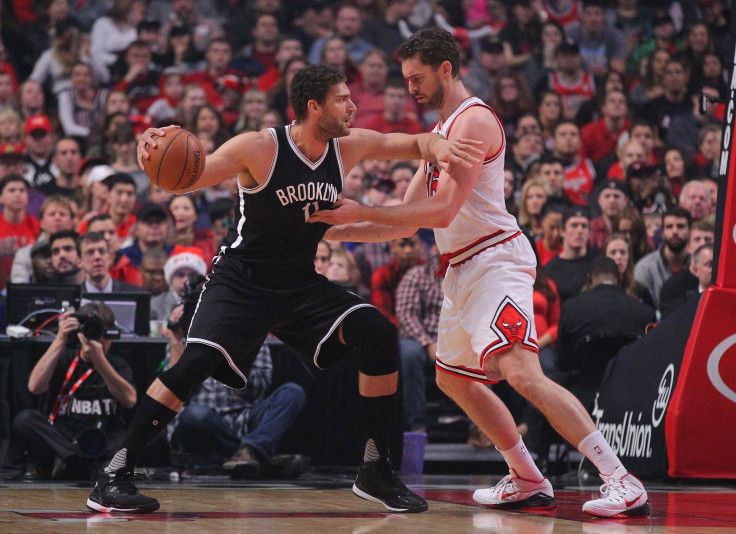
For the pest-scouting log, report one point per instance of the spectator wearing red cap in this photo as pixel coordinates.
(39, 140)
(17, 228)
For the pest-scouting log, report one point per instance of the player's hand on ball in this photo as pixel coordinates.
(148, 138)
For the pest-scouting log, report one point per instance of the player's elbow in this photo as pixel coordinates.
(408, 231)
(37, 388)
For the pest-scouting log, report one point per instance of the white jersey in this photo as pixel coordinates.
(484, 212)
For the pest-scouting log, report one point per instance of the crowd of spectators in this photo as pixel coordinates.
(607, 152)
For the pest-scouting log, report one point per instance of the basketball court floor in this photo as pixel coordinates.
(322, 502)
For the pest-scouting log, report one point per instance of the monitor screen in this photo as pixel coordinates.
(132, 310)
(24, 299)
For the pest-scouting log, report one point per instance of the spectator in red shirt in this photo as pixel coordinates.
(17, 228)
(121, 201)
(57, 213)
(261, 55)
(219, 55)
(406, 254)
(289, 47)
(394, 117)
(368, 94)
(600, 137)
(550, 244)
(121, 268)
(613, 196)
(579, 171)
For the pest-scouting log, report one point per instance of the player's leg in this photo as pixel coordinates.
(115, 489)
(623, 494)
(376, 338)
(525, 487)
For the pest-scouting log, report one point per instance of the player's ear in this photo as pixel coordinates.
(313, 105)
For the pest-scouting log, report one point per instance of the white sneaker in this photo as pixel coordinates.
(623, 496)
(514, 492)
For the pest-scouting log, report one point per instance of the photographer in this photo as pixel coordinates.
(79, 423)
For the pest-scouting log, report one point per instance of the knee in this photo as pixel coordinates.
(448, 384)
(523, 382)
(24, 420)
(295, 395)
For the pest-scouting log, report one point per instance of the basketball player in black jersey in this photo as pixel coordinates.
(263, 280)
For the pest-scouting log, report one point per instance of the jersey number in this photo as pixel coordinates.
(308, 209)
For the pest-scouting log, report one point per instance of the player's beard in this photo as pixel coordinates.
(333, 127)
(435, 100)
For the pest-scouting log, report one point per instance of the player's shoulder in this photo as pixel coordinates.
(475, 120)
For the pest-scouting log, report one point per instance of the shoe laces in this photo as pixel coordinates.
(125, 481)
(506, 482)
(387, 472)
(613, 489)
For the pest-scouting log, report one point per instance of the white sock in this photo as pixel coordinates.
(371, 452)
(597, 450)
(520, 460)
(118, 461)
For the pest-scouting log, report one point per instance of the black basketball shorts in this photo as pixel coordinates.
(236, 313)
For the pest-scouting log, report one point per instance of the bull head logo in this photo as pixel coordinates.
(512, 322)
(513, 328)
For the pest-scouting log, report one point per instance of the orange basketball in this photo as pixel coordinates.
(177, 162)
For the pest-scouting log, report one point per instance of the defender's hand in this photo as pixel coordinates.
(457, 151)
(343, 211)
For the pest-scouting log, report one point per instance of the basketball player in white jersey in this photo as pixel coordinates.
(487, 322)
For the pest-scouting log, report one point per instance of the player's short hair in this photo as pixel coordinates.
(313, 82)
(432, 46)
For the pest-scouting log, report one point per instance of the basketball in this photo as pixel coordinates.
(177, 162)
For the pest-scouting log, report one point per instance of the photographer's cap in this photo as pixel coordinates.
(181, 257)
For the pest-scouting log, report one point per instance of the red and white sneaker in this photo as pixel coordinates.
(623, 496)
(515, 493)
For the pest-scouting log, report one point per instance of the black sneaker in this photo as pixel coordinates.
(116, 492)
(377, 482)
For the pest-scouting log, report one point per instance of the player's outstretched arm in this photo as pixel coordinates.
(453, 188)
(247, 153)
(367, 144)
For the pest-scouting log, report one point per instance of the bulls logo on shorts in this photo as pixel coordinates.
(510, 325)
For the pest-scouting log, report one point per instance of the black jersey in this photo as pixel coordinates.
(272, 230)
